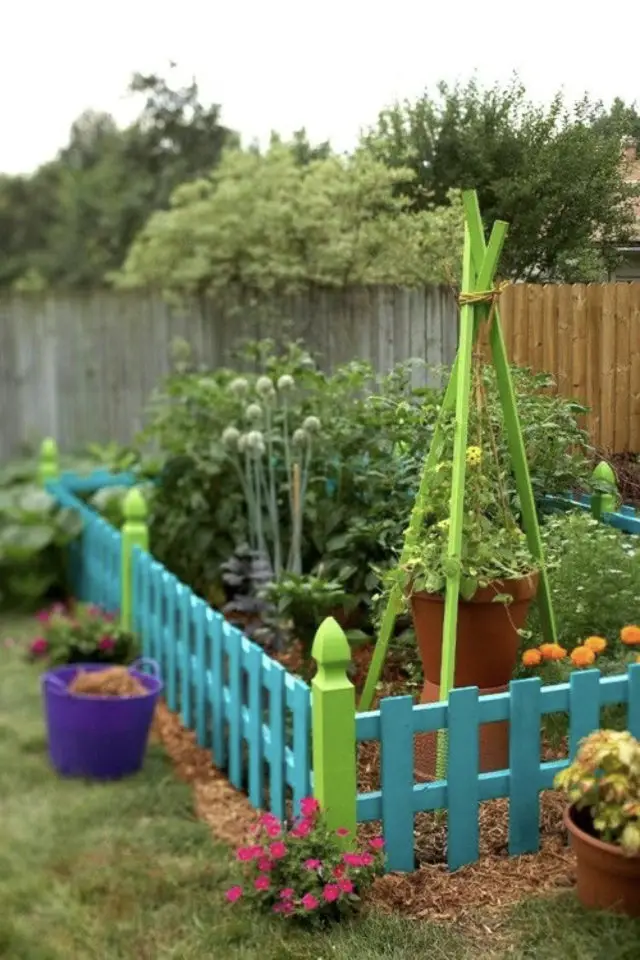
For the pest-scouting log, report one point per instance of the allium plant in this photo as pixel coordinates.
(300, 871)
(81, 634)
(255, 450)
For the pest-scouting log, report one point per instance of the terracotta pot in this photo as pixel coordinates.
(486, 653)
(607, 878)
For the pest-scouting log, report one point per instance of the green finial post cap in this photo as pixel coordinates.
(134, 506)
(605, 473)
(330, 645)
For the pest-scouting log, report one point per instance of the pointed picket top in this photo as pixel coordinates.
(134, 507)
(330, 646)
(602, 501)
(49, 461)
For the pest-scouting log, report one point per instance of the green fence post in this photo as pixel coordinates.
(48, 462)
(333, 723)
(605, 499)
(135, 533)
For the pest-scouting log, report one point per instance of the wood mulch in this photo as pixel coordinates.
(475, 895)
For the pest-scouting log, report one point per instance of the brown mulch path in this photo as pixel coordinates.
(474, 896)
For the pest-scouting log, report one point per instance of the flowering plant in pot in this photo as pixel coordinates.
(603, 819)
(82, 634)
(299, 870)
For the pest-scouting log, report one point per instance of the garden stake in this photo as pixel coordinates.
(478, 303)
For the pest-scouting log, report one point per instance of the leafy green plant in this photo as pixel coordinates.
(82, 634)
(304, 601)
(34, 533)
(298, 870)
(604, 781)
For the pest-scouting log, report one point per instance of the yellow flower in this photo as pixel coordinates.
(474, 456)
(582, 657)
(597, 644)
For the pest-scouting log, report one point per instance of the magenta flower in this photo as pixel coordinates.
(43, 616)
(278, 850)
(273, 830)
(366, 859)
(302, 829)
(309, 902)
(268, 819)
(312, 864)
(106, 644)
(345, 885)
(331, 892)
(262, 883)
(353, 859)
(249, 853)
(377, 843)
(265, 864)
(309, 806)
(233, 894)
(287, 893)
(342, 832)
(339, 870)
(283, 908)
(39, 646)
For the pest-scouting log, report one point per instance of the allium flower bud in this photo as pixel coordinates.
(311, 425)
(253, 413)
(239, 386)
(264, 386)
(231, 438)
(255, 442)
(286, 383)
(299, 438)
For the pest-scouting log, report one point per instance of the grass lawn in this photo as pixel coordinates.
(125, 872)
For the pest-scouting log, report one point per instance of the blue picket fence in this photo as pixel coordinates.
(398, 720)
(252, 714)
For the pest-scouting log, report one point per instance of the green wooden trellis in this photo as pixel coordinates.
(478, 304)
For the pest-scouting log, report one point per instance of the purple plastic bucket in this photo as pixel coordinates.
(98, 738)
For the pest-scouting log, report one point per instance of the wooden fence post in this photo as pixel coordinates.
(333, 724)
(48, 462)
(135, 533)
(605, 499)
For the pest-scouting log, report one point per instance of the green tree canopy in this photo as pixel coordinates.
(268, 224)
(552, 172)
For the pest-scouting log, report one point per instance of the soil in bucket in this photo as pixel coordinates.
(110, 682)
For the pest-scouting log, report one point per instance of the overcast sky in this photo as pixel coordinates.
(284, 64)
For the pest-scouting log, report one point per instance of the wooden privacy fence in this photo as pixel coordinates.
(279, 740)
(588, 338)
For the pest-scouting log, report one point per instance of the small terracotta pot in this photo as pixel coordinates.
(607, 878)
(486, 653)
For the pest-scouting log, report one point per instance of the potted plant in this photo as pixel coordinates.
(603, 820)
(82, 634)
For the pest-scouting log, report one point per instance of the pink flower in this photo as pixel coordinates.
(331, 892)
(287, 893)
(262, 883)
(233, 894)
(377, 843)
(312, 864)
(342, 832)
(39, 646)
(273, 830)
(43, 616)
(265, 864)
(249, 853)
(353, 859)
(309, 807)
(283, 908)
(366, 859)
(345, 885)
(268, 819)
(302, 829)
(278, 850)
(338, 871)
(309, 902)
(106, 644)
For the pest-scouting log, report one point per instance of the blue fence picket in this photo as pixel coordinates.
(200, 626)
(301, 708)
(255, 726)
(584, 707)
(633, 703)
(462, 777)
(277, 756)
(524, 766)
(217, 688)
(184, 652)
(232, 641)
(396, 781)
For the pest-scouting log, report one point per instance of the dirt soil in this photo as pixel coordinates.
(110, 682)
(474, 895)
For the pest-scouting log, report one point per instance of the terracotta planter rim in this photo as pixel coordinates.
(527, 584)
(608, 849)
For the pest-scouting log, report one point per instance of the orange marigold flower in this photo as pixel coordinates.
(531, 658)
(582, 657)
(597, 644)
(630, 635)
(552, 651)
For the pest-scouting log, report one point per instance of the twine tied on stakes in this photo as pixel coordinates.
(484, 296)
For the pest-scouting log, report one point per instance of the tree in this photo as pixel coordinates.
(267, 224)
(553, 172)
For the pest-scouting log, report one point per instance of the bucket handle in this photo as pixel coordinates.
(56, 682)
(142, 662)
